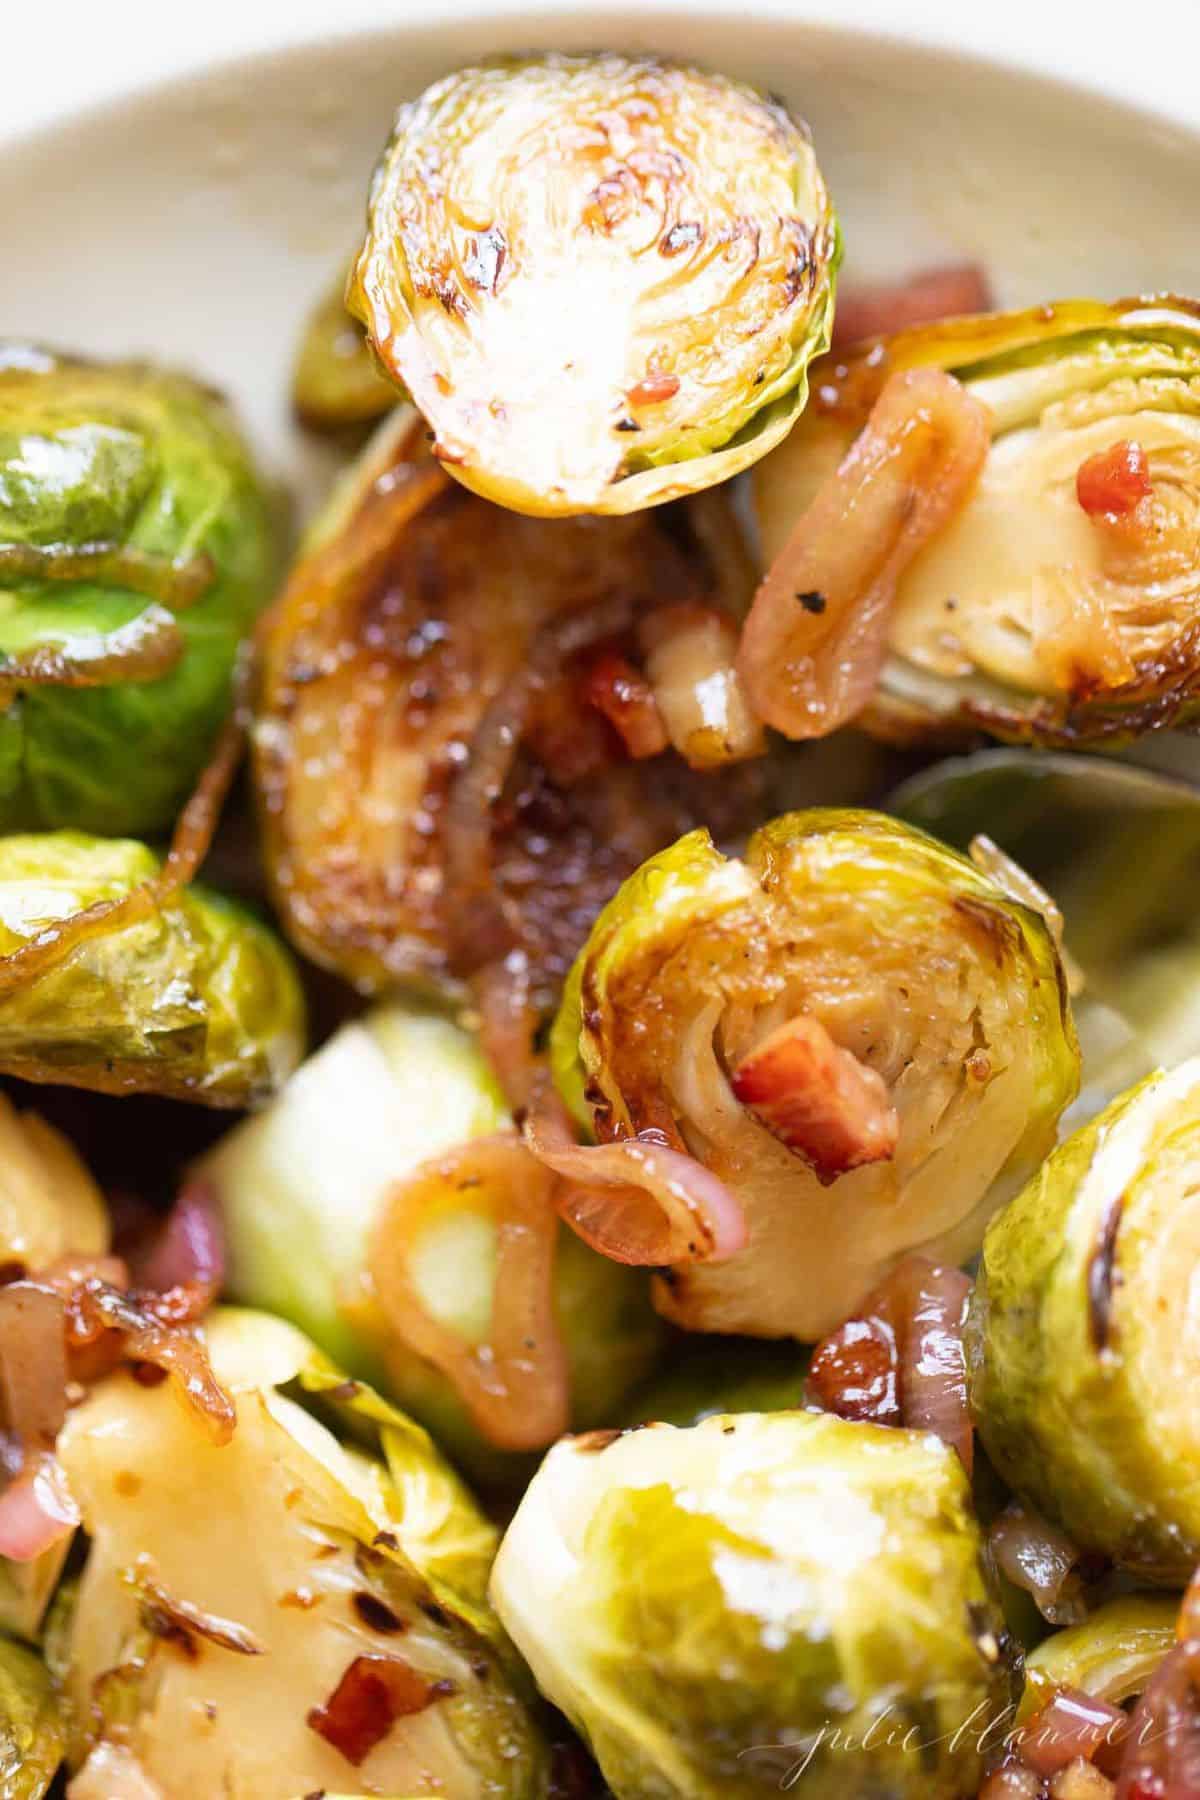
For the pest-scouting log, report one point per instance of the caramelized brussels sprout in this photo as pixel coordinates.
(436, 787)
(1057, 606)
(1081, 1343)
(336, 385)
(292, 1622)
(305, 1190)
(760, 1601)
(862, 1036)
(1079, 825)
(601, 279)
(32, 1729)
(136, 547)
(1111, 1654)
(195, 999)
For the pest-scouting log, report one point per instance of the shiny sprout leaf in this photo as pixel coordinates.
(600, 278)
(1057, 607)
(197, 999)
(136, 547)
(225, 1630)
(1080, 1342)
(1079, 825)
(743, 1605)
(336, 384)
(303, 1185)
(934, 1002)
(1111, 1654)
(32, 1726)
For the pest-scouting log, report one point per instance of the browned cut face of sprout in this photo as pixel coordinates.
(462, 742)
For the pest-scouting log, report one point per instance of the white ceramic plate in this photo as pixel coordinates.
(197, 220)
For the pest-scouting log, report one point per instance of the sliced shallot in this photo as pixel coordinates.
(815, 640)
(636, 1200)
(1037, 1557)
(691, 653)
(36, 1510)
(514, 1382)
(190, 1249)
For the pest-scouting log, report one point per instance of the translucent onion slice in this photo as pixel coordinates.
(815, 640)
(513, 1381)
(637, 1200)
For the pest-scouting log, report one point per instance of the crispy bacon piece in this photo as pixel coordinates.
(818, 1099)
(878, 308)
(373, 1693)
(624, 697)
(816, 637)
(1114, 481)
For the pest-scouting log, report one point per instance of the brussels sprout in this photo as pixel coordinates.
(196, 999)
(290, 1622)
(1111, 1654)
(420, 813)
(32, 1730)
(303, 1184)
(1056, 607)
(601, 279)
(933, 1054)
(759, 1601)
(1079, 826)
(1080, 1343)
(136, 547)
(336, 385)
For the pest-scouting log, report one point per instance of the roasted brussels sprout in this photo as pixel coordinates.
(601, 279)
(194, 999)
(1080, 1342)
(704, 1378)
(436, 788)
(32, 1729)
(762, 1600)
(1080, 825)
(1111, 1654)
(862, 1036)
(336, 384)
(289, 1628)
(136, 547)
(307, 1187)
(1057, 606)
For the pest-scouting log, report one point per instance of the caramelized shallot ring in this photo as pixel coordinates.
(816, 637)
(636, 1200)
(514, 1384)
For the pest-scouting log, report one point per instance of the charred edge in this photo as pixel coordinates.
(1102, 1276)
(159, 1623)
(592, 1442)
(998, 929)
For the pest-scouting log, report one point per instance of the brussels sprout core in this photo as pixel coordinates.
(760, 1602)
(1082, 1339)
(600, 278)
(1058, 606)
(865, 1040)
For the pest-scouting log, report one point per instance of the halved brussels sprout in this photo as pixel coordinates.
(304, 1185)
(287, 1628)
(136, 547)
(435, 787)
(1080, 826)
(601, 278)
(195, 999)
(32, 1728)
(760, 1601)
(1082, 1339)
(336, 383)
(866, 1039)
(1057, 606)
(1111, 1654)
